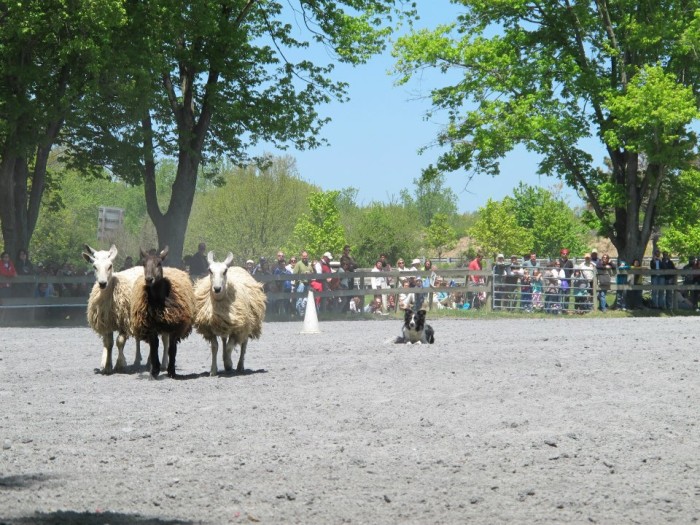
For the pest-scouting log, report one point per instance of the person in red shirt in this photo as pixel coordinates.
(476, 299)
(7, 269)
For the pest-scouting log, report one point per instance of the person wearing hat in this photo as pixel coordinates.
(499, 289)
(250, 266)
(302, 266)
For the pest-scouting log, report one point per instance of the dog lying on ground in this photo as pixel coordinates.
(415, 329)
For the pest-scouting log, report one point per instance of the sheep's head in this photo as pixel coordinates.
(217, 274)
(153, 265)
(103, 263)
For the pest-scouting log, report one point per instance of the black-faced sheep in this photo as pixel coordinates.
(108, 306)
(162, 302)
(229, 304)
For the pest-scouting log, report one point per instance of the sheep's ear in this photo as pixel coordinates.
(89, 250)
(112, 253)
(89, 258)
(164, 252)
(144, 255)
(229, 259)
(210, 257)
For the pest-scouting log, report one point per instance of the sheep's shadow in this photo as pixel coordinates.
(235, 373)
(70, 517)
(126, 371)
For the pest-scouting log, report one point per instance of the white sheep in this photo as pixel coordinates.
(108, 309)
(229, 304)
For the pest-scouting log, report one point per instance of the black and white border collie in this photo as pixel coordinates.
(415, 330)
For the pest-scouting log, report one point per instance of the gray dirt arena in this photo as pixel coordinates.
(582, 420)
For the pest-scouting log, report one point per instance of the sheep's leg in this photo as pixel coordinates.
(166, 345)
(214, 350)
(137, 357)
(229, 346)
(240, 367)
(172, 352)
(121, 360)
(107, 343)
(153, 355)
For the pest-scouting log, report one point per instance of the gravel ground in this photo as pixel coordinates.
(500, 421)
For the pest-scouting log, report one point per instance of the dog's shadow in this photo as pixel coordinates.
(90, 518)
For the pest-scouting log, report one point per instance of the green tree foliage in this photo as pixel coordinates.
(319, 230)
(208, 78)
(440, 236)
(431, 197)
(552, 223)
(390, 229)
(497, 230)
(252, 213)
(552, 75)
(52, 53)
(682, 236)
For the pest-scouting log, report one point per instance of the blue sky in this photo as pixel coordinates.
(375, 137)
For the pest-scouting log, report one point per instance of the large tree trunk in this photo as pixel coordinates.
(632, 227)
(20, 206)
(171, 226)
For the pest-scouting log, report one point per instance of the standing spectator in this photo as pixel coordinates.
(263, 268)
(378, 283)
(499, 276)
(290, 265)
(7, 269)
(513, 273)
(669, 280)
(282, 306)
(588, 271)
(280, 257)
(329, 283)
(531, 262)
(579, 285)
(594, 257)
(637, 280)
(347, 258)
(302, 266)
(552, 282)
(606, 271)
(537, 284)
(657, 296)
(199, 266)
(567, 265)
(250, 266)
(526, 290)
(24, 268)
(476, 298)
(621, 280)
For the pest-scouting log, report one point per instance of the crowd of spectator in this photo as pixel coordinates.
(559, 286)
(41, 285)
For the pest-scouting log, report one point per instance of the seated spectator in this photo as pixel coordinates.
(355, 305)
